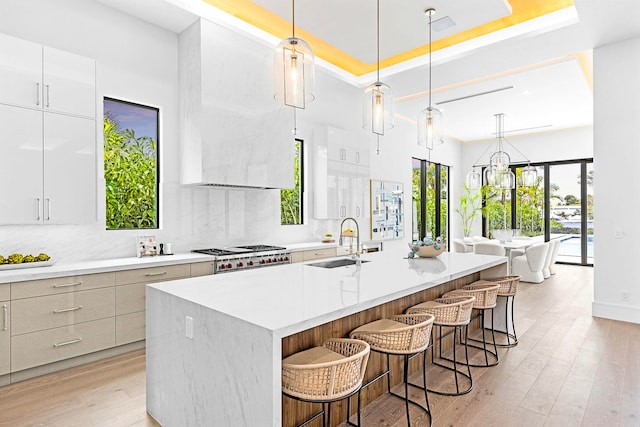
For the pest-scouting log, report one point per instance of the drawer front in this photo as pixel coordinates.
(202, 268)
(130, 298)
(5, 337)
(130, 327)
(59, 285)
(39, 348)
(297, 256)
(319, 253)
(152, 274)
(52, 311)
(5, 292)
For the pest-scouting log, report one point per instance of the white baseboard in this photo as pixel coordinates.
(620, 312)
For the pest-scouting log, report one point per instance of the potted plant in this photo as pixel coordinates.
(469, 207)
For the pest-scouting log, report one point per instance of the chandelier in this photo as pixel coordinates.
(498, 172)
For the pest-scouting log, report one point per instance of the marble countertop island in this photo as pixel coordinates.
(214, 342)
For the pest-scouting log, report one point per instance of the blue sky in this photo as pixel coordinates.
(141, 119)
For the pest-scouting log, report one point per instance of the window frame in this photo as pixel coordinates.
(302, 182)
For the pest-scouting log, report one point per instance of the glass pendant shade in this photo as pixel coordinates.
(500, 160)
(294, 79)
(491, 176)
(377, 112)
(430, 128)
(506, 180)
(473, 180)
(529, 176)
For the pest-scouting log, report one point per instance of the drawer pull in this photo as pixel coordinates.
(67, 342)
(64, 310)
(66, 285)
(5, 317)
(162, 273)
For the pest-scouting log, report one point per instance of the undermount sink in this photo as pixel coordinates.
(342, 262)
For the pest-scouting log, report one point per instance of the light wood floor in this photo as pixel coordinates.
(569, 369)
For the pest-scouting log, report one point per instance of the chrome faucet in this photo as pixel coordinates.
(356, 256)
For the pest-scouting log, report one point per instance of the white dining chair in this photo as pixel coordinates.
(488, 248)
(459, 246)
(553, 245)
(529, 265)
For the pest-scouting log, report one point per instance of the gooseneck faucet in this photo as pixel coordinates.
(357, 254)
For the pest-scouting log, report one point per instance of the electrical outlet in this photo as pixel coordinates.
(625, 296)
(188, 327)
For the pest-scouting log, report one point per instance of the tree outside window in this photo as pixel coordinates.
(291, 199)
(130, 165)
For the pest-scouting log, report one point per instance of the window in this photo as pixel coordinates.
(131, 165)
(430, 195)
(291, 199)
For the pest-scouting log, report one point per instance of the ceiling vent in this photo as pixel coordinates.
(442, 24)
(474, 95)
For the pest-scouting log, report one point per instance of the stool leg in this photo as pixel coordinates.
(466, 351)
(484, 340)
(455, 360)
(406, 387)
(329, 414)
(424, 382)
(493, 336)
(388, 376)
(513, 323)
(359, 422)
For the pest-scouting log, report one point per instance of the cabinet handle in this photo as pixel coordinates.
(48, 203)
(66, 285)
(5, 317)
(47, 90)
(67, 342)
(357, 211)
(38, 218)
(162, 273)
(64, 310)
(37, 93)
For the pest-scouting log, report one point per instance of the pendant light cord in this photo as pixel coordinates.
(378, 45)
(293, 19)
(430, 15)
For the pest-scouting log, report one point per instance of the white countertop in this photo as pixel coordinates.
(98, 266)
(287, 299)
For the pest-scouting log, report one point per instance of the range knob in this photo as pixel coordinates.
(275, 260)
(268, 260)
(262, 261)
(240, 264)
(222, 267)
(229, 265)
(250, 263)
(286, 258)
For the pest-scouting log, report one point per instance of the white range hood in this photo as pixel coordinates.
(232, 132)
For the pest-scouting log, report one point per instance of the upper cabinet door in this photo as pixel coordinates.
(20, 72)
(69, 170)
(69, 83)
(21, 198)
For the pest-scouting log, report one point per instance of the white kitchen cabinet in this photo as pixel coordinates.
(341, 172)
(69, 170)
(47, 167)
(43, 78)
(21, 171)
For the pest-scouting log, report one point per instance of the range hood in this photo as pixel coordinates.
(232, 132)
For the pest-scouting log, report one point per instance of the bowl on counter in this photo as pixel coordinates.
(426, 251)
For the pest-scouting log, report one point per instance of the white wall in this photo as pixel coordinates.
(617, 206)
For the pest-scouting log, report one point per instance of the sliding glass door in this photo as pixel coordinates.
(430, 200)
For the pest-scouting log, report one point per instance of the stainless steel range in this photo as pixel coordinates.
(245, 257)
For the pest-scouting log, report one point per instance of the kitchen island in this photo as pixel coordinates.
(215, 344)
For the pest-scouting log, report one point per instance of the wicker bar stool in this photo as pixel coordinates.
(405, 335)
(325, 374)
(455, 312)
(507, 291)
(486, 294)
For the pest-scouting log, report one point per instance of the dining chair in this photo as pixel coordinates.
(529, 265)
(488, 248)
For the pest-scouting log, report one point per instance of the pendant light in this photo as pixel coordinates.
(294, 69)
(377, 112)
(430, 119)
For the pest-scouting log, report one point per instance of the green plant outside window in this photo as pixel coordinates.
(291, 199)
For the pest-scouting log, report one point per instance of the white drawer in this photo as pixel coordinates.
(39, 348)
(59, 285)
(130, 298)
(202, 268)
(5, 292)
(130, 327)
(52, 311)
(152, 274)
(319, 253)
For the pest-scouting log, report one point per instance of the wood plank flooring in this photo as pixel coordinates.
(569, 369)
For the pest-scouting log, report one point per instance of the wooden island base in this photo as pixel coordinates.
(295, 412)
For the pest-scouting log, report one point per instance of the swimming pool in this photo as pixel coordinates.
(571, 246)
